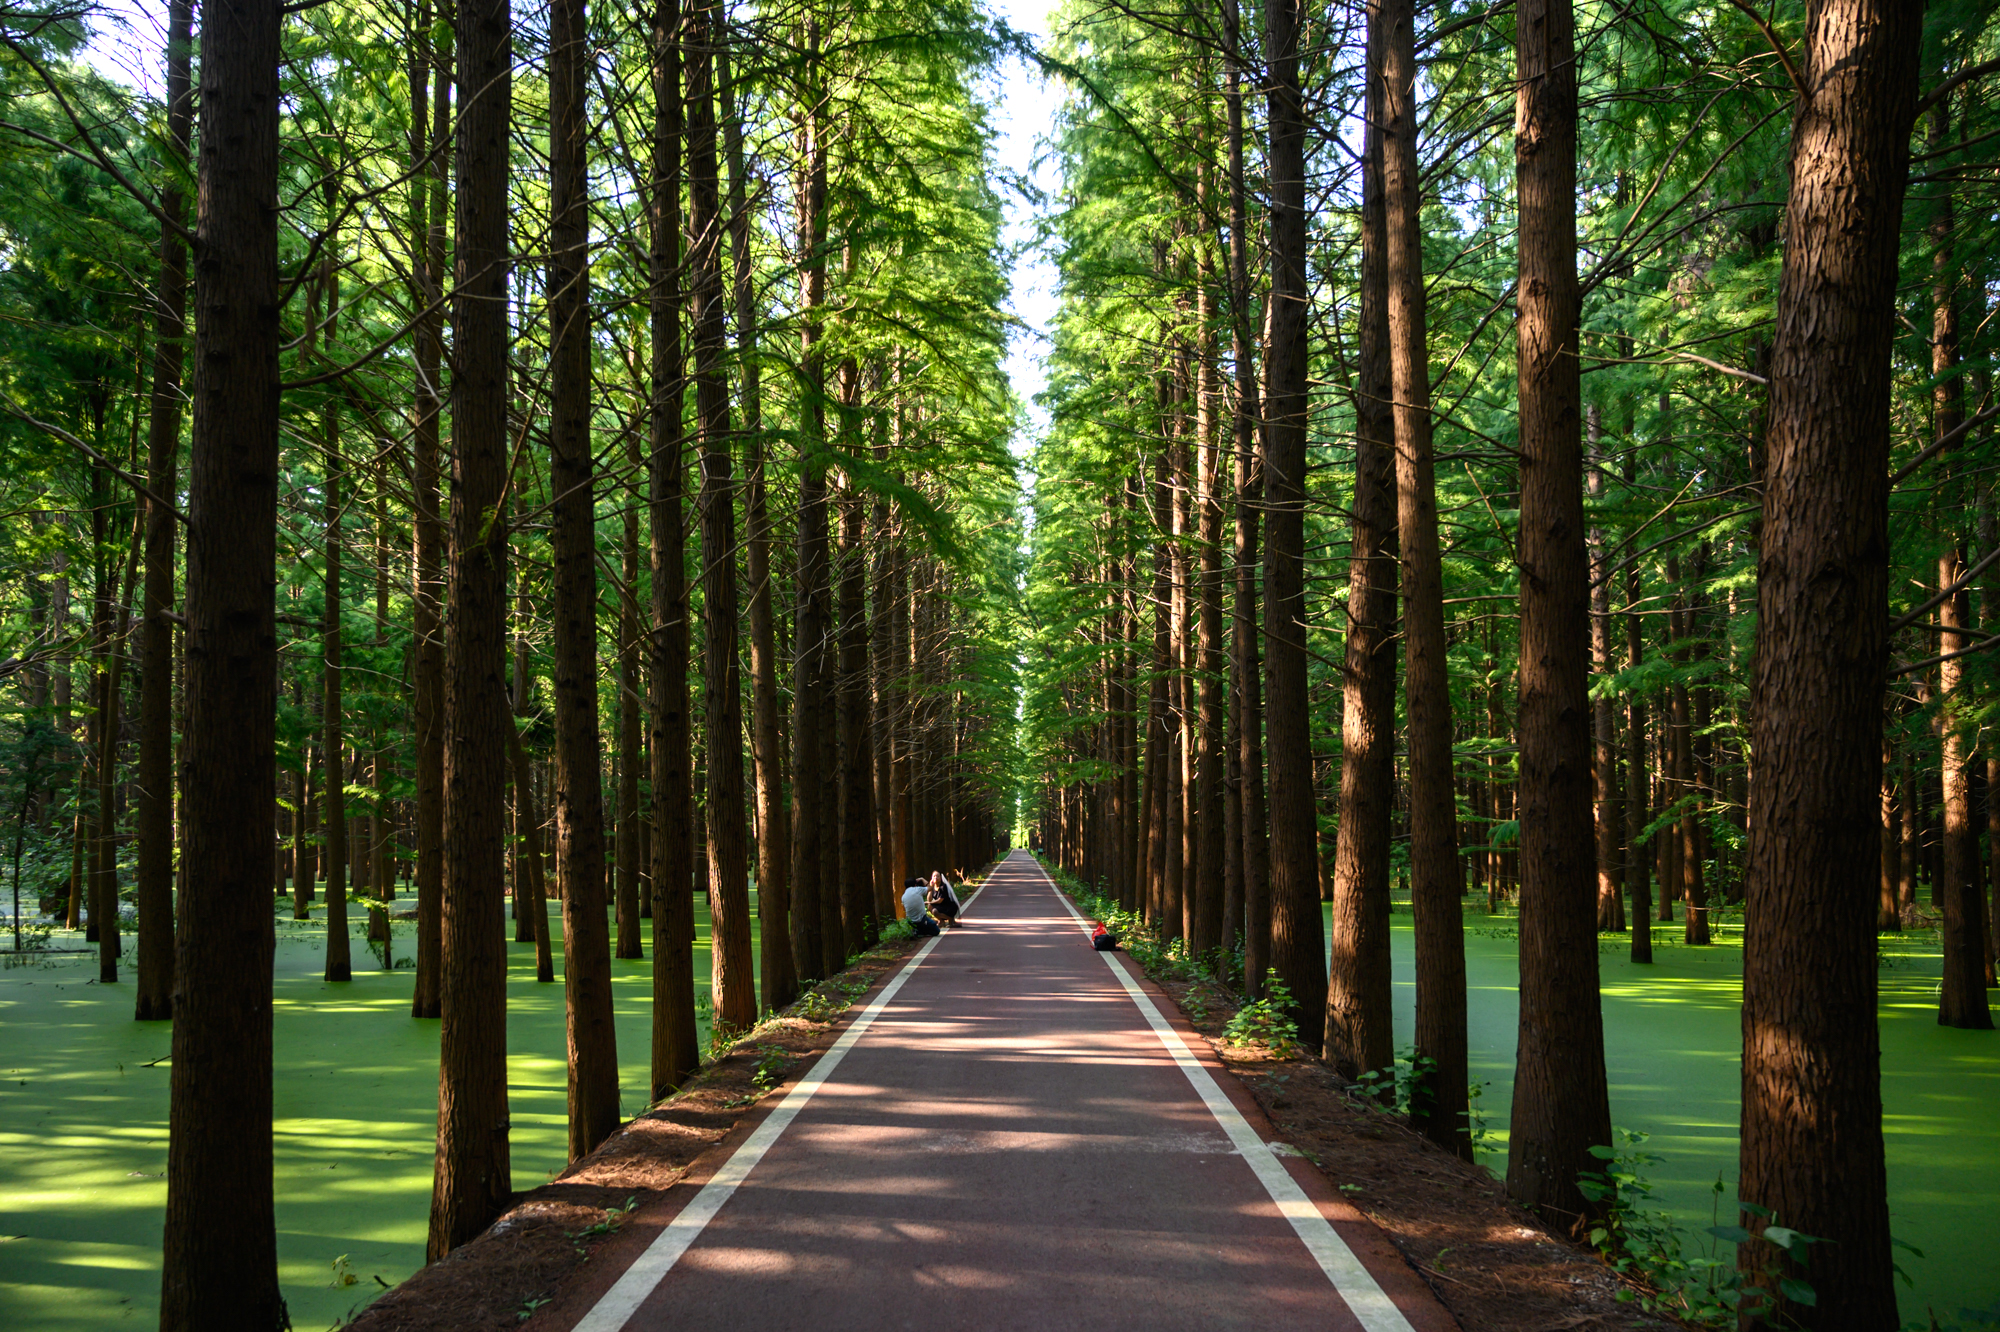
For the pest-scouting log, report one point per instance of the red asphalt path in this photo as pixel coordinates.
(1010, 1135)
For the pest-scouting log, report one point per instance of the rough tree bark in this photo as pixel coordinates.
(220, 1266)
(1962, 991)
(810, 827)
(1434, 877)
(780, 976)
(722, 700)
(676, 1039)
(1812, 1100)
(1359, 1023)
(579, 790)
(474, 1177)
(339, 947)
(1249, 696)
(1562, 1105)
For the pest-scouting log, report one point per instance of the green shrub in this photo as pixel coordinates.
(1267, 1021)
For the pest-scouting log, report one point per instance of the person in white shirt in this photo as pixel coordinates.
(913, 908)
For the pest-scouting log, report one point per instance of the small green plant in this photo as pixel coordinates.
(1401, 1088)
(1195, 1003)
(528, 1307)
(1267, 1021)
(613, 1218)
(898, 930)
(1475, 1120)
(721, 1036)
(819, 1006)
(771, 1065)
(343, 1272)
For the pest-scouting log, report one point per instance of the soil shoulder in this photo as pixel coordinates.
(1490, 1262)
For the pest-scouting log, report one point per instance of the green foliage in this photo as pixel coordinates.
(1267, 1021)
(1404, 1086)
(1666, 1270)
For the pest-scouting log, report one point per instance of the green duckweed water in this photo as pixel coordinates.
(83, 1126)
(1672, 1042)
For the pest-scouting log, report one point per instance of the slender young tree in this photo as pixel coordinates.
(722, 698)
(676, 1038)
(1812, 1097)
(155, 789)
(810, 724)
(1298, 947)
(779, 975)
(1248, 697)
(1359, 1027)
(577, 771)
(428, 535)
(1434, 873)
(474, 1180)
(220, 1261)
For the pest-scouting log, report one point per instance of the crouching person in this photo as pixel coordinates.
(913, 909)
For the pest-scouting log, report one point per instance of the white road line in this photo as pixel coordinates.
(1351, 1281)
(630, 1291)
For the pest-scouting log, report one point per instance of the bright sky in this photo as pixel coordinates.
(1024, 114)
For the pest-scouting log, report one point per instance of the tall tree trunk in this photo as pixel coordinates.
(1211, 725)
(428, 536)
(302, 825)
(1297, 938)
(339, 946)
(810, 826)
(676, 1037)
(631, 942)
(1159, 720)
(779, 975)
(155, 997)
(1962, 994)
(1360, 1033)
(1812, 1100)
(110, 726)
(1249, 485)
(1638, 794)
(220, 1263)
(722, 699)
(1962, 991)
(1604, 723)
(1562, 1105)
(1888, 913)
(474, 1178)
(1434, 878)
(529, 863)
(857, 816)
(578, 767)
(381, 840)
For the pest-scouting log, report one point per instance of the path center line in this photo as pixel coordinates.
(1351, 1280)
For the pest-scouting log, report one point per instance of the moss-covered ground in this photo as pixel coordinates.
(83, 1125)
(1672, 1039)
